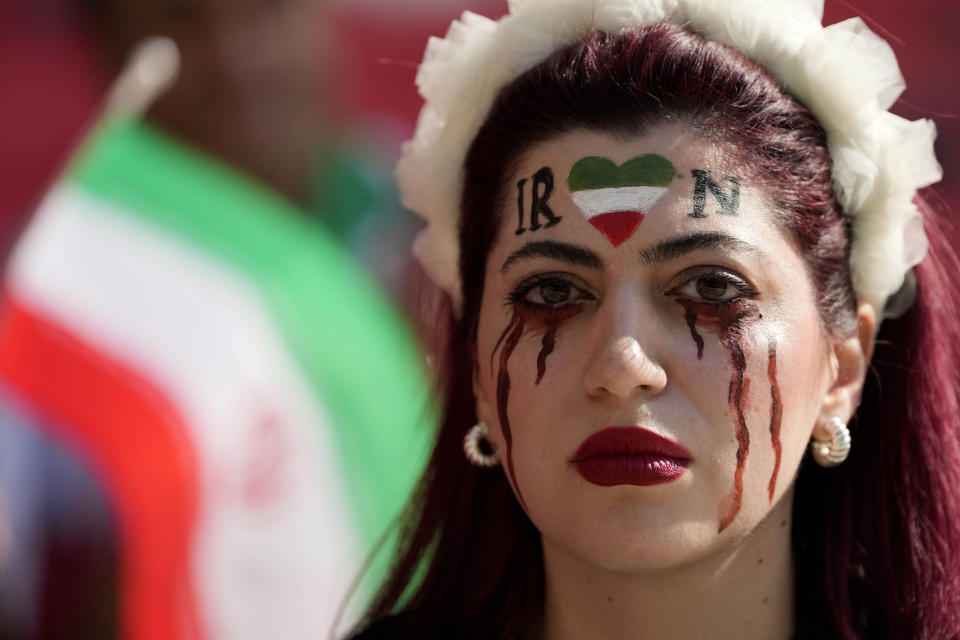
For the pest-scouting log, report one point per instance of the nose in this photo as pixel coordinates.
(620, 365)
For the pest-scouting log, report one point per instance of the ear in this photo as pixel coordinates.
(851, 358)
(483, 406)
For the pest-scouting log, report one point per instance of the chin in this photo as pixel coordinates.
(662, 549)
(635, 539)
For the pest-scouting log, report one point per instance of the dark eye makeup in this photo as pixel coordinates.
(713, 285)
(549, 290)
(709, 285)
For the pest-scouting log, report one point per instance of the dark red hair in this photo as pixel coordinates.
(877, 540)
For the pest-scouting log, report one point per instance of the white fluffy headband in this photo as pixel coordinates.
(844, 74)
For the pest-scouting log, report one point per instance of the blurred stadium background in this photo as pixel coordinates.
(51, 81)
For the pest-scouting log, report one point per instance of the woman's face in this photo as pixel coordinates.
(649, 354)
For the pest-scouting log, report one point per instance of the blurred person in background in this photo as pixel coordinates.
(266, 75)
(252, 89)
(216, 384)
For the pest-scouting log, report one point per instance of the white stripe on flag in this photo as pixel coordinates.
(594, 202)
(276, 568)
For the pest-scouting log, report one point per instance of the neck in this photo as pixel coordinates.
(743, 592)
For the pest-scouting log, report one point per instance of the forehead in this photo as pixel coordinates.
(675, 141)
(616, 192)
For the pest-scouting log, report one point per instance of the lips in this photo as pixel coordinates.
(630, 455)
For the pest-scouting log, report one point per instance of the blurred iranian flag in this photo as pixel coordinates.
(255, 408)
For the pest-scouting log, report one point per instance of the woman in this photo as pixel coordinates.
(673, 264)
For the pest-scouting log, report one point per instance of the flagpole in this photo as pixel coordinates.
(153, 66)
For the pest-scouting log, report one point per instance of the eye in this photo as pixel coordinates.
(549, 290)
(714, 286)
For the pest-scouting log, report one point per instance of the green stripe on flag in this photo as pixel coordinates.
(361, 358)
(596, 172)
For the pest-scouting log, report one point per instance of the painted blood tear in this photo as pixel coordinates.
(776, 415)
(524, 320)
(728, 322)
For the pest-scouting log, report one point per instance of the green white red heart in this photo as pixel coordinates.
(614, 199)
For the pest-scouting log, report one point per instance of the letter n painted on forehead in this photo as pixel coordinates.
(614, 199)
(729, 202)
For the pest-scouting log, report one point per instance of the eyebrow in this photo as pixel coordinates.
(674, 248)
(569, 253)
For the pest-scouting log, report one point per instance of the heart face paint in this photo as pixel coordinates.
(615, 199)
(617, 226)
(525, 319)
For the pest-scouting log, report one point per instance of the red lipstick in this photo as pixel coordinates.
(630, 455)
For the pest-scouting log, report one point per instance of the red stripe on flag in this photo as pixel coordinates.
(617, 226)
(138, 444)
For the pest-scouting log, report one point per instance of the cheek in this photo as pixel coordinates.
(515, 372)
(760, 382)
(504, 383)
(802, 373)
(786, 376)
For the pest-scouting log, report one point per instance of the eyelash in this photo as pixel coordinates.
(519, 294)
(517, 297)
(726, 277)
